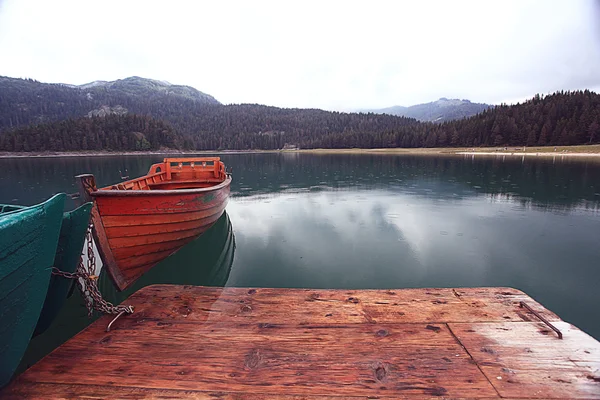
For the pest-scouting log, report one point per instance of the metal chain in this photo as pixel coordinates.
(87, 282)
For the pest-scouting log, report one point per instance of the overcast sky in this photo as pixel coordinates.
(339, 55)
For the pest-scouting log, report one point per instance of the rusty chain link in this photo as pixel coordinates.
(87, 282)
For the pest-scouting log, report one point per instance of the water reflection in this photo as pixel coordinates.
(32, 180)
(560, 184)
(540, 182)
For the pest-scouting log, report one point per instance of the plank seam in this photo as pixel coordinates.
(184, 231)
(475, 362)
(216, 210)
(150, 318)
(291, 393)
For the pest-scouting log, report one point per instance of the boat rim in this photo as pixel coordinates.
(20, 208)
(112, 193)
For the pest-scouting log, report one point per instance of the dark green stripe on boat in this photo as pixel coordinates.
(28, 241)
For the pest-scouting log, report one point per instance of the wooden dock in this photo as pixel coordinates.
(234, 343)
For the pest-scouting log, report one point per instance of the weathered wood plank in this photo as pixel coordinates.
(239, 343)
(390, 335)
(348, 360)
(44, 391)
(529, 357)
(551, 383)
(333, 306)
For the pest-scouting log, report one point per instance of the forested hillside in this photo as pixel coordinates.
(564, 118)
(110, 133)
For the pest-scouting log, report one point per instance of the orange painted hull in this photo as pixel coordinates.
(136, 229)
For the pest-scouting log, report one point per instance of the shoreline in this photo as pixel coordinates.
(529, 154)
(558, 151)
(126, 153)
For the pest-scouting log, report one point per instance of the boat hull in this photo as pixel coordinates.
(135, 230)
(28, 242)
(68, 253)
(205, 261)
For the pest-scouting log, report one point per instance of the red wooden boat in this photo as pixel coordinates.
(139, 222)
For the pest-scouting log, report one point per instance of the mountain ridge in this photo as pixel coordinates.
(27, 101)
(138, 86)
(441, 110)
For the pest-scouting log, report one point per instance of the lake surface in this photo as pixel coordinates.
(368, 221)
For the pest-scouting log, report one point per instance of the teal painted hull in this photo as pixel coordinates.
(28, 241)
(68, 252)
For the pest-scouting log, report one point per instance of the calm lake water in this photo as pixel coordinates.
(368, 221)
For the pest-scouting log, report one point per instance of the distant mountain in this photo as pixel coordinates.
(26, 101)
(136, 86)
(437, 111)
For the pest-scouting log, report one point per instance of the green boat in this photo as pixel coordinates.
(70, 244)
(28, 241)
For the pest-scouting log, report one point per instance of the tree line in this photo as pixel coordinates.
(110, 133)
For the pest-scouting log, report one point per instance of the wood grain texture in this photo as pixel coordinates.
(136, 220)
(147, 202)
(304, 306)
(103, 246)
(529, 357)
(43, 391)
(234, 343)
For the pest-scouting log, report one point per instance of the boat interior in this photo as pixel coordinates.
(178, 173)
(7, 208)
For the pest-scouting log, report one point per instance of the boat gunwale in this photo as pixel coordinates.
(19, 208)
(106, 192)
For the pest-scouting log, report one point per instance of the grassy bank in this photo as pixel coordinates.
(591, 150)
(577, 151)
